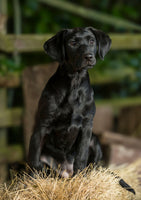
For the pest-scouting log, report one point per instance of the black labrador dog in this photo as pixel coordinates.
(63, 129)
(62, 134)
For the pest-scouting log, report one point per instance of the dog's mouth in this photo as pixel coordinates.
(89, 64)
(84, 65)
(92, 62)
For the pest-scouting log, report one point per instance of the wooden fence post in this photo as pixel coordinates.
(3, 95)
(3, 136)
(17, 27)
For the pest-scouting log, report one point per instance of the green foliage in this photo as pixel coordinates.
(118, 62)
(8, 65)
(42, 19)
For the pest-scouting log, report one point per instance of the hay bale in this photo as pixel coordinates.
(96, 185)
(132, 175)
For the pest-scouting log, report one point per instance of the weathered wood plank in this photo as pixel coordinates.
(120, 102)
(96, 78)
(111, 76)
(23, 43)
(11, 154)
(117, 138)
(3, 134)
(17, 27)
(3, 93)
(121, 154)
(3, 19)
(10, 81)
(126, 41)
(34, 43)
(11, 117)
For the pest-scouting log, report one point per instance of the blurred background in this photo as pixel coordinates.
(24, 69)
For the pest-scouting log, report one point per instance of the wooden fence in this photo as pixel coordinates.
(10, 117)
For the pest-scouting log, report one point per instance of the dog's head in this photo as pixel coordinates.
(77, 47)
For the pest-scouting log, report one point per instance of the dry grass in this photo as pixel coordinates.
(96, 185)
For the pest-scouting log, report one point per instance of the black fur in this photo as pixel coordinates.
(63, 129)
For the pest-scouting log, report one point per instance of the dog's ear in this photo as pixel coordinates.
(103, 42)
(54, 47)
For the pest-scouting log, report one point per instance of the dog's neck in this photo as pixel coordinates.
(66, 70)
(74, 77)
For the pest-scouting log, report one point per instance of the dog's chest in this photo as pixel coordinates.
(73, 108)
(72, 113)
(74, 102)
(78, 97)
(80, 93)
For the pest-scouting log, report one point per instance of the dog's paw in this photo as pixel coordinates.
(36, 165)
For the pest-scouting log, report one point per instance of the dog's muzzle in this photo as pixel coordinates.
(89, 59)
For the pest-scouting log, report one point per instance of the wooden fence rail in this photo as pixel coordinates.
(13, 80)
(10, 81)
(14, 116)
(34, 43)
(11, 154)
(11, 117)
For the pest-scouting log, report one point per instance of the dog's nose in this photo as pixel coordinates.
(88, 56)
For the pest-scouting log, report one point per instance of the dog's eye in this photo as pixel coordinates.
(73, 43)
(91, 41)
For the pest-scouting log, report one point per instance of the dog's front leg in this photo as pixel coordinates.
(82, 151)
(35, 148)
(35, 152)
